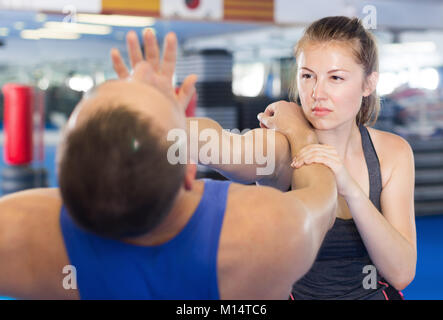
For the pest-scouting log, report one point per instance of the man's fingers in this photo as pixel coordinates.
(187, 90)
(169, 55)
(134, 50)
(152, 52)
(143, 72)
(118, 64)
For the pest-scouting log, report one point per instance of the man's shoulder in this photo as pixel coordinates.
(31, 194)
(263, 211)
(32, 243)
(36, 204)
(244, 198)
(30, 217)
(256, 243)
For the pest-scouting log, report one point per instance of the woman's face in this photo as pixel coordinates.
(330, 84)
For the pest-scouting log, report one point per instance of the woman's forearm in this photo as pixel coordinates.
(393, 255)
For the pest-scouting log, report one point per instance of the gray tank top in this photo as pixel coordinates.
(337, 272)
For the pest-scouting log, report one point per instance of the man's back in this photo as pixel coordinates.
(182, 266)
(254, 257)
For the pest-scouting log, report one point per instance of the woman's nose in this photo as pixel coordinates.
(319, 91)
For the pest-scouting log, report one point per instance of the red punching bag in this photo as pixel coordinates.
(190, 110)
(18, 124)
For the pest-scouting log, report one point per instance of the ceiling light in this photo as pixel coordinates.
(4, 32)
(115, 20)
(79, 28)
(38, 34)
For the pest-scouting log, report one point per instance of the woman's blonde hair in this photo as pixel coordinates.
(349, 31)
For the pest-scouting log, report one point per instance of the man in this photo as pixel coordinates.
(127, 223)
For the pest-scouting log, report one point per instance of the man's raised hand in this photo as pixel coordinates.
(153, 70)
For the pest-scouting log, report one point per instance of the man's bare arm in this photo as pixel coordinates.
(240, 161)
(278, 233)
(32, 254)
(159, 74)
(317, 193)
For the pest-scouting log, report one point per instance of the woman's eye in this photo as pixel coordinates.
(306, 76)
(337, 78)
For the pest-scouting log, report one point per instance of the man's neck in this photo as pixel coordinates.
(181, 212)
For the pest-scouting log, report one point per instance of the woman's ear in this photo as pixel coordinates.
(370, 84)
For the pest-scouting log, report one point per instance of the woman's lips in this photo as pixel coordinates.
(321, 111)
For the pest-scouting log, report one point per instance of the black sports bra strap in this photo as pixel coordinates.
(375, 182)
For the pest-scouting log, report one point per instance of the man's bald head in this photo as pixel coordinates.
(114, 175)
(135, 95)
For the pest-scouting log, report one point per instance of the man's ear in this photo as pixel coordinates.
(370, 84)
(191, 172)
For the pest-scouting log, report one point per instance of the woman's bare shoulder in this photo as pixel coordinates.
(390, 148)
(388, 142)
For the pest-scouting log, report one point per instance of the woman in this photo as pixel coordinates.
(370, 253)
(337, 72)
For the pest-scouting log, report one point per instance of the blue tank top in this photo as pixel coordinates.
(182, 268)
(338, 271)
